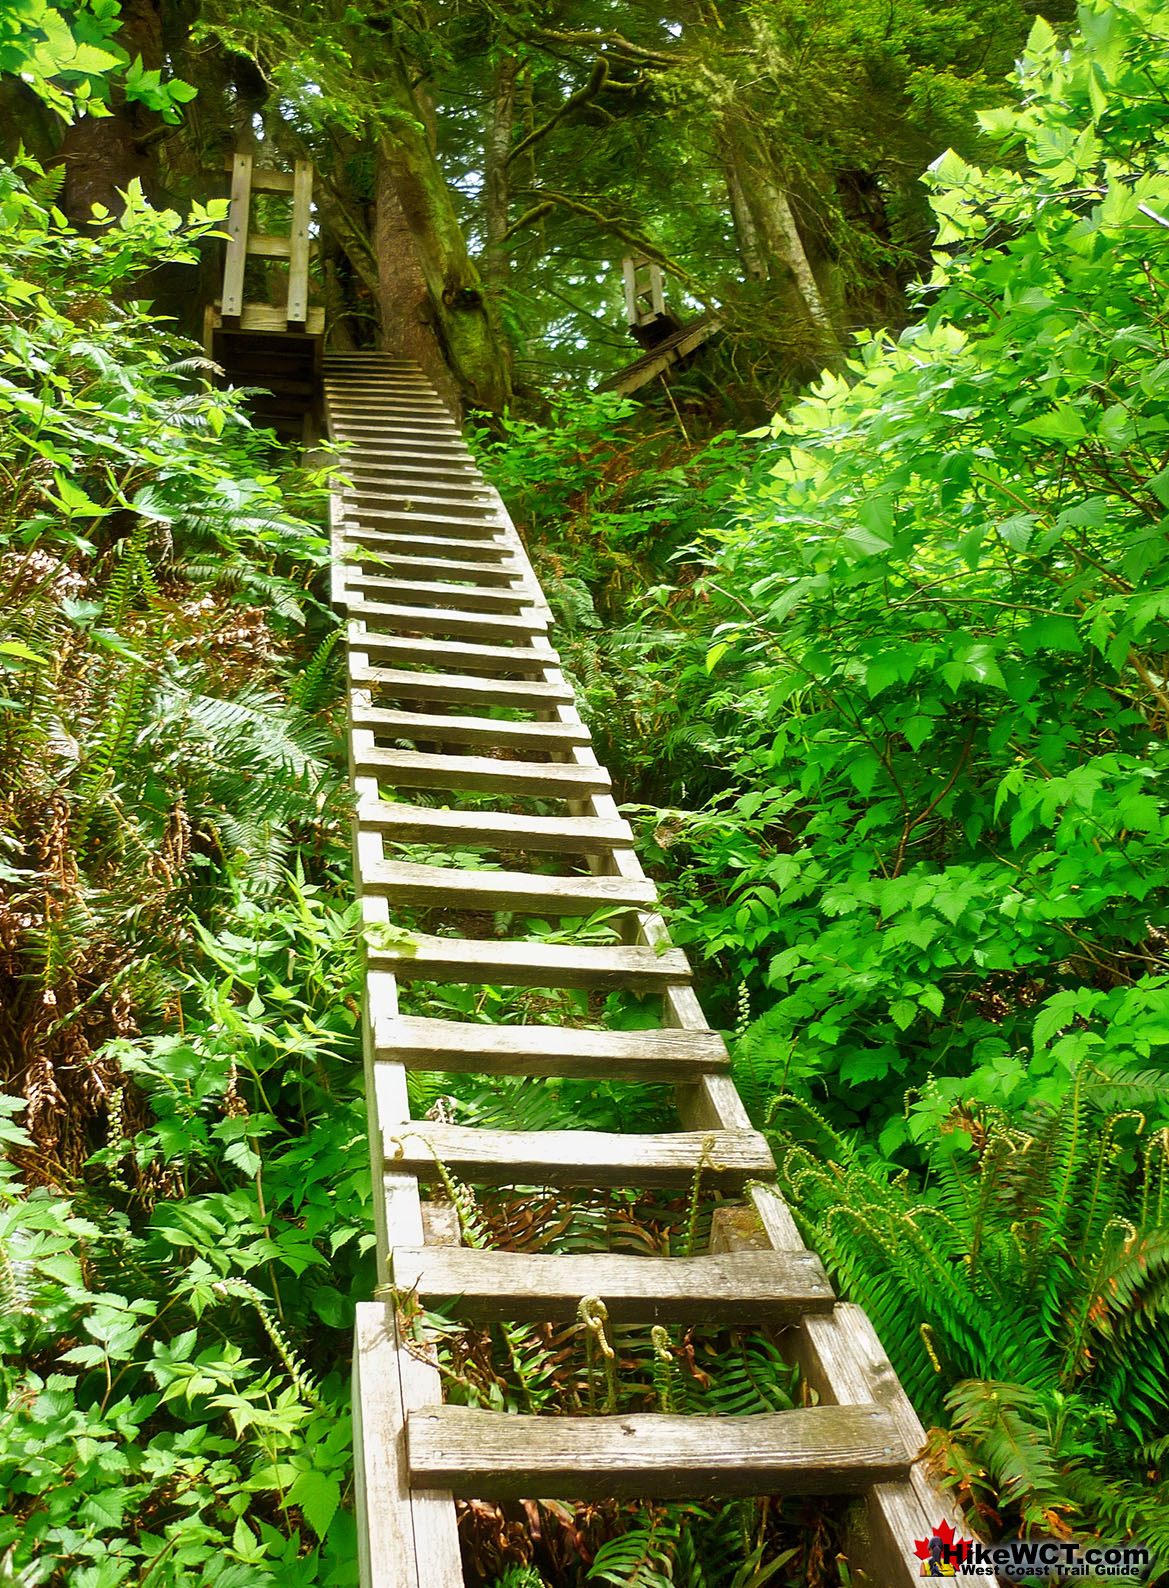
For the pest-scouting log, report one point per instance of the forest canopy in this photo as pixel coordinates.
(868, 610)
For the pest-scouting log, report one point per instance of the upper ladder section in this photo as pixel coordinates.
(274, 343)
(465, 739)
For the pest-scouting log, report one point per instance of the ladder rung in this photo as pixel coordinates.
(437, 567)
(431, 545)
(727, 1158)
(511, 963)
(410, 769)
(567, 835)
(463, 688)
(485, 508)
(498, 1455)
(408, 883)
(667, 1056)
(432, 726)
(433, 620)
(472, 528)
(717, 1291)
(436, 593)
(475, 658)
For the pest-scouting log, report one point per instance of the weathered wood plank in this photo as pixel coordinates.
(461, 688)
(410, 769)
(263, 245)
(267, 318)
(714, 1292)
(491, 659)
(237, 233)
(508, 962)
(452, 526)
(448, 887)
(417, 500)
(494, 732)
(661, 1057)
(385, 1528)
(420, 568)
(488, 555)
(439, 593)
(818, 1450)
(728, 1158)
(565, 835)
(386, 615)
(302, 196)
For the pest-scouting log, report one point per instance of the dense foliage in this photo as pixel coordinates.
(912, 677)
(884, 685)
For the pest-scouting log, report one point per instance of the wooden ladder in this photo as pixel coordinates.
(447, 621)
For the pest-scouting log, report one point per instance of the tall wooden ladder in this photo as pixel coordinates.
(446, 622)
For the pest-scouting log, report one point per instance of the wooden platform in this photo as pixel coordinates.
(447, 628)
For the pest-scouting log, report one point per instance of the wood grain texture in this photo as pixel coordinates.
(238, 214)
(523, 963)
(484, 550)
(575, 835)
(496, 733)
(653, 1056)
(820, 1450)
(302, 198)
(432, 620)
(729, 1158)
(734, 1291)
(460, 688)
(451, 888)
(440, 593)
(491, 659)
(411, 769)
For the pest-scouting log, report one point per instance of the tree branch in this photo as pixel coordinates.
(591, 89)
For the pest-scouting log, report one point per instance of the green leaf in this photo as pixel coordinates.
(318, 1494)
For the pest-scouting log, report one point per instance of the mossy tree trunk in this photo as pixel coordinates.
(432, 298)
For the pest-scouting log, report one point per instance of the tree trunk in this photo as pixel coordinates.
(497, 189)
(103, 154)
(786, 243)
(746, 235)
(432, 298)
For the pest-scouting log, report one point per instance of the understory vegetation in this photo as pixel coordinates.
(883, 685)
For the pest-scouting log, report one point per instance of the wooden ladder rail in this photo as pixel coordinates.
(458, 569)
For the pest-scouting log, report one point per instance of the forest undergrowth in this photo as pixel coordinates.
(884, 687)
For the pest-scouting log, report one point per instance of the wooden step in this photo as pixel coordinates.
(373, 480)
(564, 835)
(495, 732)
(727, 1290)
(418, 518)
(670, 1057)
(414, 501)
(440, 548)
(728, 1158)
(477, 537)
(502, 1456)
(432, 620)
(420, 568)
(462, 688)
(451, 888)
(489, 659)
(450, 469)
(410, 769)
(521, 963)
(438, 593)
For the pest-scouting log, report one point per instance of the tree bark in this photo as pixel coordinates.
(497, 189)
(104, 154)
(432, 297)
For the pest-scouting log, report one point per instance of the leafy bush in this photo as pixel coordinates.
(946, 598)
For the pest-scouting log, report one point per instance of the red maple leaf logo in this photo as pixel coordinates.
(947, 1535)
